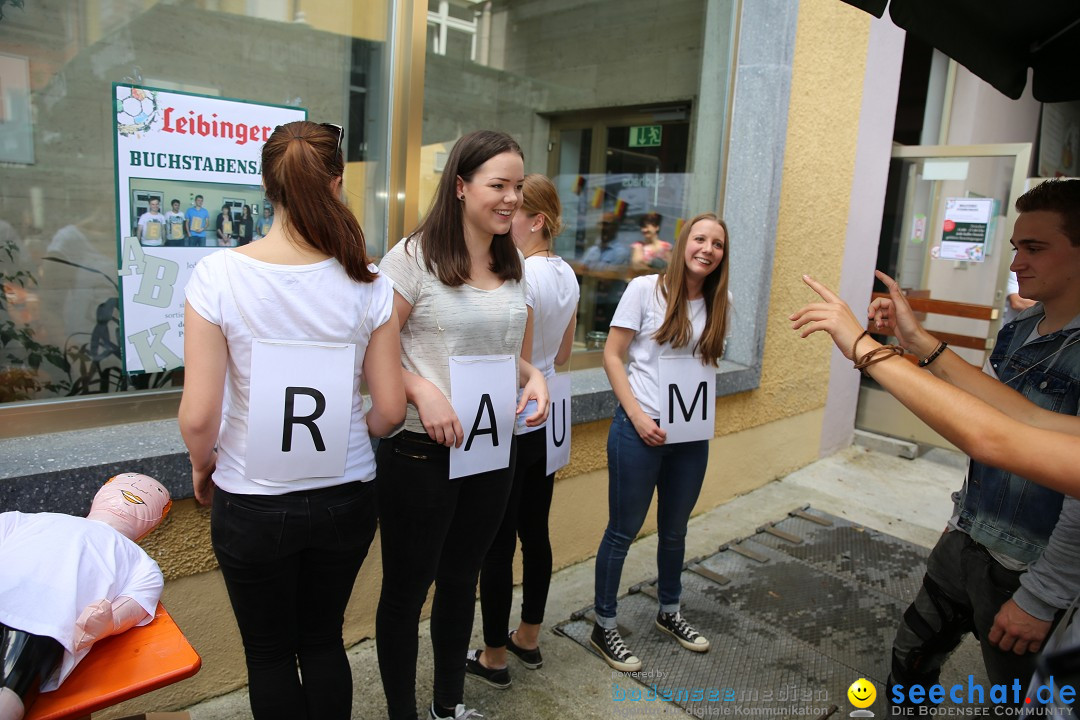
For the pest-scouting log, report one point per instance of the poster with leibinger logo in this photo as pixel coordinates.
(195, 161)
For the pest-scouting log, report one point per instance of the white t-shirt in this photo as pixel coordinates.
(55, 565)
(449, 321)
(317, 302)
(174, 223)
(552, 292)
(152, 228)
(641, 309)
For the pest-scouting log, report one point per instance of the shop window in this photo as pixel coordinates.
(61, 317)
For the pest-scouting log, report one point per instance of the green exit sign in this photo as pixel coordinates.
(646, 135)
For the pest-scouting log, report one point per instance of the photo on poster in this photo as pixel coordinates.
(160, 210)
(205, 154)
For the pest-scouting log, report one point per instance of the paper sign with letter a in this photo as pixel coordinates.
(483, 391)
(299, 409)
(687, 399)
(558, 423)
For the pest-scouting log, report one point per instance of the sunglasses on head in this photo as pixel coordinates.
(340, 134)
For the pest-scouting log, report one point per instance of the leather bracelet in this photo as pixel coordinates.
(878, 354)
(855, 345)
(934, 355)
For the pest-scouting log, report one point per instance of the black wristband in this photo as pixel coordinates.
(934, 355)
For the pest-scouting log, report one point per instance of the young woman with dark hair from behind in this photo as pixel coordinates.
(458, 291)
(291, 526)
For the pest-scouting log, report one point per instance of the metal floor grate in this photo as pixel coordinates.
(795, 614)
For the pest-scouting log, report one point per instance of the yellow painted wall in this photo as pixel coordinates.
(762, 434)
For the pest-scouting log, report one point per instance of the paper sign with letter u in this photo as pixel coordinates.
(687, 399)
(483, 391)
(558, 423)
(299, 409)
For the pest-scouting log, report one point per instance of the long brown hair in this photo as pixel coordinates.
(299, 162)
(677, 327)
(441, 234)
(539, 197)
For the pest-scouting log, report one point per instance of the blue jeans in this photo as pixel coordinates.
(289, 564)
(634, 471)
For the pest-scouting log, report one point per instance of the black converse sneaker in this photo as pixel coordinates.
(675, 625)
(495, 677)
(610, 645)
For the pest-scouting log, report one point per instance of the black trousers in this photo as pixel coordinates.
(526, 517)
(289, 563)
(432, 529)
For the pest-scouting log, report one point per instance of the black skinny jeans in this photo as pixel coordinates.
(289, 563)
(526, 517)
(432, 530)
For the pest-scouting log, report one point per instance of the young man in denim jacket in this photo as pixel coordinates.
(1010, 560)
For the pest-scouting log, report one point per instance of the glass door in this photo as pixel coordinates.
(945, 239)
(612, 169)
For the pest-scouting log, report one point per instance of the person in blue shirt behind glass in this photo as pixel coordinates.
(198, 219)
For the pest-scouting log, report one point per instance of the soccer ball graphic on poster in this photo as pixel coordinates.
(136, 111)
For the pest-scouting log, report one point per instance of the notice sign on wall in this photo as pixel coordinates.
(187, 166)
(966, 228)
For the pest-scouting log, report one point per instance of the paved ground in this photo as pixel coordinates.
(905, 498)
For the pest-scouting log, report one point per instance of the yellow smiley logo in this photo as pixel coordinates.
(862, 693)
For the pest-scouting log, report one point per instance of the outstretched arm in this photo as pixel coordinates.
(986, 434)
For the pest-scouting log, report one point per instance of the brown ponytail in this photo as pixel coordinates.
(299, 162)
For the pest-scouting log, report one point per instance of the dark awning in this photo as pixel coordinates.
(998, 40)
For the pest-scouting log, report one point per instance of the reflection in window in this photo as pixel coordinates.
(60, 324)
(604, 102)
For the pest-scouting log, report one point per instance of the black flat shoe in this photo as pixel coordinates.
(531, 659)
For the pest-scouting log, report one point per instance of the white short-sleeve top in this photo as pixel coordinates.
(642, 309)
(317, 302)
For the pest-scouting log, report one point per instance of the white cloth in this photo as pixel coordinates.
(55, 565)
(450, 321)
(642, 309)
(318, 302)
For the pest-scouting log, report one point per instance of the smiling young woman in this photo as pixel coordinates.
(459, 290)
(682, 313)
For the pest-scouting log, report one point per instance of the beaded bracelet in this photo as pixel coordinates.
(934, 355)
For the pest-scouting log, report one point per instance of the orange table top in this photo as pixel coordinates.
(121, 667)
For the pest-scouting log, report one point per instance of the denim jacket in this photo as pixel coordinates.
(1002, 511)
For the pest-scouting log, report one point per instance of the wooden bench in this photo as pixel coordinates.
(119, 668)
